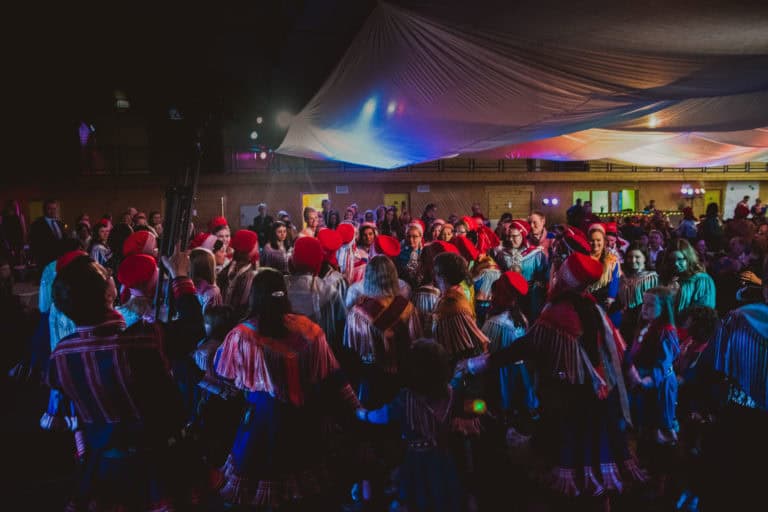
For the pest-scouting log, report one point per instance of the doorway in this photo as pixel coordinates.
(399, 201)
(713, 196)
(313, 200)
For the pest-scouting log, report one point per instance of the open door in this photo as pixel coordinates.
(712, 196)
(400, 201)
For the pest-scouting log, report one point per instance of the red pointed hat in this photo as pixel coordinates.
(346, 231)
(387, 245)
(471, 222)
(140, 242)
(245, 241)
(522, 226)
(307, 255)
(443, 246)
(67, 258)
(137, 271)
(330, 241)
(217, 222)
(507, 287)
(577, 272)
(516, 281)
(204, 240)
(466, 248)
(611, 228)
(417, 223)
(576, 241)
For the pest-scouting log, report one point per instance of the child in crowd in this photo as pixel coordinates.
(652, 355)
(218, 409)
(424, 409)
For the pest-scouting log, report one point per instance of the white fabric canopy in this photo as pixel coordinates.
(665, 83)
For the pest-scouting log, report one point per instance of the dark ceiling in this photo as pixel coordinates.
(221, 59)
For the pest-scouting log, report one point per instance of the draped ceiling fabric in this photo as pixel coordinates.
(660, 83)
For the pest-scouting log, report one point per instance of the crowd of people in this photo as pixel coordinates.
(402, 362)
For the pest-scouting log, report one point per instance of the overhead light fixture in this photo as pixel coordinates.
(550, 201)
(284, 119)
(259, 120)
(254, 135)
(121, 101)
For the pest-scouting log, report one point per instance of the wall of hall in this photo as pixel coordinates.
(452, 194)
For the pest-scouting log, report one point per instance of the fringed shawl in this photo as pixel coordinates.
(556, 339)
(284, 368)
(502, 331)
(377, 328)
(425, 299)
(455, 327)
(426, 419)
(740, 350)
(632, 288)
(237, 291)
(318, 300)
(484, 281)
(337, 281)
(697, 290)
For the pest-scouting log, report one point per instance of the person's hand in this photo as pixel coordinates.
(361, 414)
(647, 382)
(750, 277)
(477, 364)
(178, 264)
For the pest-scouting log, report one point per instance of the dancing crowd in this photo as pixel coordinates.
(374, 360)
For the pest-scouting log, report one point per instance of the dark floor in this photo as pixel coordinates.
(38, 475)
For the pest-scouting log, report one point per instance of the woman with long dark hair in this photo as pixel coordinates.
(288, 372)
(635, 281)
(278, 250)
(681, 269)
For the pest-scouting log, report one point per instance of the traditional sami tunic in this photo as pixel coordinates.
(654, 353)
(352, 262)
(129, 406)
(606, 289)
(515, 382)
(288, 384)
(533, 264)
(630, 299)
(584, 402)
(380, 331)
(425, 299)
(336, 280)
(275, 258)
(408, 264)
(235, 285)
(740, 350)
(355, 292)
(486, 273)
(455, 327)
(321, 302)
(208, 294)
(60, 412)
(697, 290)
(428, 477)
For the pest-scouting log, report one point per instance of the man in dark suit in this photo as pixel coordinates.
(262, 224)
(45, 232)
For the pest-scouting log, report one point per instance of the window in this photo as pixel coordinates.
(605, 201)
